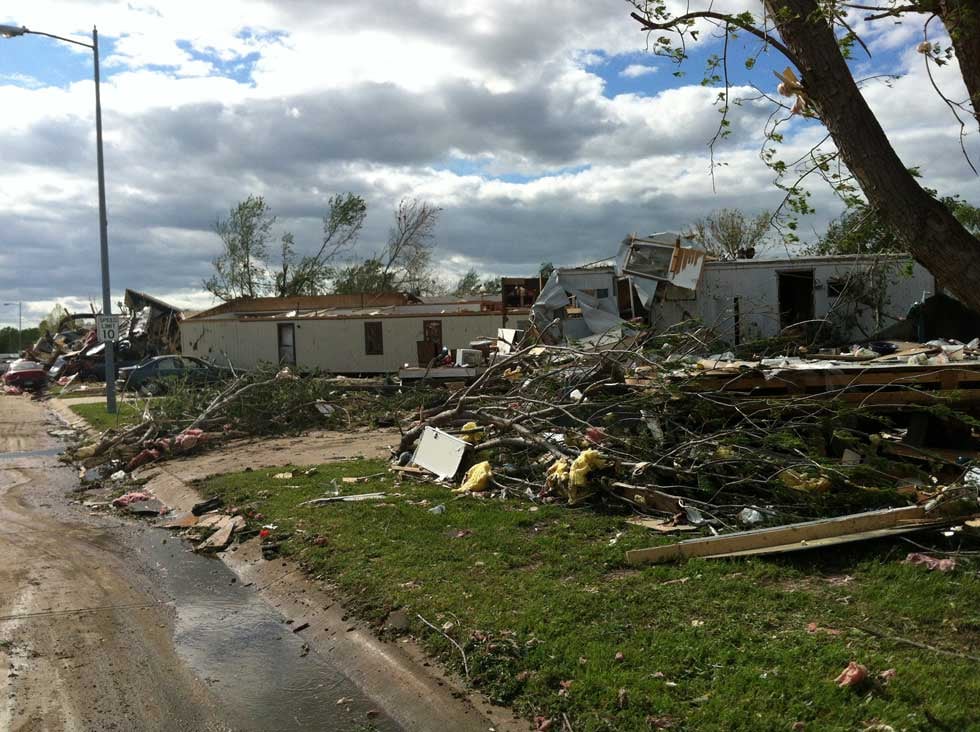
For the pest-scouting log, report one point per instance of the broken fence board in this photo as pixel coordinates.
(798, 536)
(649, 497)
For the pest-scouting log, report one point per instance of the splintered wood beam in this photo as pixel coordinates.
(794, 537)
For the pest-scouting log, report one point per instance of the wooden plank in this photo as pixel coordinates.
(829, 541)
(906, 352)
(782, 536)
(649, 497)
(661, 525)
(411, 469)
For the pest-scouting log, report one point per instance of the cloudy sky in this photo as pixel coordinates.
(543, 129)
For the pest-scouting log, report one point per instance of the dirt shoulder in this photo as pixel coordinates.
(418, 696)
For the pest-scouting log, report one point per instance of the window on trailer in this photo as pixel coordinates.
(373, 340)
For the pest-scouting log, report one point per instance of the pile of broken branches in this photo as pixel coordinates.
(637, 423)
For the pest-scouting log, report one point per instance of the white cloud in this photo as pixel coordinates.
(634, 71)
(205, 103)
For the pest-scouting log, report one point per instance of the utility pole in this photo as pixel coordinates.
(13, 31)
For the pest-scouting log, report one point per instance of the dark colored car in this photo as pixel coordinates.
(25, 374)
(90, 364)
(152, 374)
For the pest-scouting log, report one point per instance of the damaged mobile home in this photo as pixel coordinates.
(344, 334)
(836, 297)
(660, 281)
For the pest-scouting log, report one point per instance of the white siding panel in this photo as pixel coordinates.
(335, 345)
(756, 285)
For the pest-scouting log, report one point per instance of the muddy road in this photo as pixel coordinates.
(106, 624)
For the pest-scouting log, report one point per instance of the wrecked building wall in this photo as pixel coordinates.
(339, 344)
(744, 300)
(244, 344)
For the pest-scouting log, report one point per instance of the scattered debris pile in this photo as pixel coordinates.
(150, 327)
(803, 450)
(261, 402)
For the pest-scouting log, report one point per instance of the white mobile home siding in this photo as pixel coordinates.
(756, 285)
(330, 344)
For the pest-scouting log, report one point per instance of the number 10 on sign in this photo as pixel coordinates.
(108, 328)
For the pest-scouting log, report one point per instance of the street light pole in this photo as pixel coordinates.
(11, 31)
(110, 348)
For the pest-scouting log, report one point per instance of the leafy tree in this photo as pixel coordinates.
(546, 269)
(468, 284)
(9, 342)
(815, 38)
(729, 234)
(405, 263)
(242, 269)
(491, 286)
(407, 256)
(311, 274)
(862, 230)
(362, 277)
(53, 319)
(471, 284)
(239, 271)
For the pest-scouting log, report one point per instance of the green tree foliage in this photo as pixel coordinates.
(311, 274)
(472, 284)
(53, 319)
(862, 230)
(730, 234)
(818, 42)
(361, 277)
(468, 284)
(405, 262)
(239, 271)
(8, 338)
(491, 286)
(242, 269)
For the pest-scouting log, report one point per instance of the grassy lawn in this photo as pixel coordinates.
(544, 604)
(97, 416)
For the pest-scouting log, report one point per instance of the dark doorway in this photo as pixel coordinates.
(795, 297)
(287, 344)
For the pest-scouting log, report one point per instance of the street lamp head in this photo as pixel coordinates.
(12, 31)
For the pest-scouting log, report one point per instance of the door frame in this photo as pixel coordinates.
(280, 329)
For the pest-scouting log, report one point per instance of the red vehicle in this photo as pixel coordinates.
(25, 374)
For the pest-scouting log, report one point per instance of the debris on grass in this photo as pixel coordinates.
(769, 443)
(931, 563)
(854, 675)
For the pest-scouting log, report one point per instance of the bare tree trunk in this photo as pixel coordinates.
(962, 20)
(929, 230)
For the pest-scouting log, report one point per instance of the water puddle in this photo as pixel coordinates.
(257, 667)
(49, 452)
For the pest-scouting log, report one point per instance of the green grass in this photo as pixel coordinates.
(96, 415)
(541, 597)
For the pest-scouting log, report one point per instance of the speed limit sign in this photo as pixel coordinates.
(107, 328)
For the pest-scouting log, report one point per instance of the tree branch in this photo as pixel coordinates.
(673, 23)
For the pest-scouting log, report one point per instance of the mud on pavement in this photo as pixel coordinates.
(106, 624)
